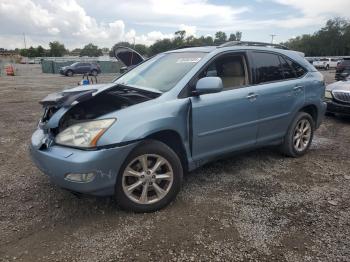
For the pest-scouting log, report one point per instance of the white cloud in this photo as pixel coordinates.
(312, 8)
(190, 30)
(62, 19)
(78, 22)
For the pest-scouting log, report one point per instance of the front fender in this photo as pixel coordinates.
(142, 120)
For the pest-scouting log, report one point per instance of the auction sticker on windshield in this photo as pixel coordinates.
(188, 60)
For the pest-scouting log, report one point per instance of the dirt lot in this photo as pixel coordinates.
(257, 206)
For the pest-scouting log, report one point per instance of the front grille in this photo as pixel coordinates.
(342, 96)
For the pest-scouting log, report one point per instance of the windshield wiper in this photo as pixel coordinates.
(142, 89)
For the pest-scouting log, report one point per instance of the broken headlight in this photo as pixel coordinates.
(84, 134)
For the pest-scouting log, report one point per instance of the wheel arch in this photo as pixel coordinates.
(172, 139)
(312, 110)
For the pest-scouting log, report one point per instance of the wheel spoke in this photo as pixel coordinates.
(158, 163)
(297, 135)
(131, 172)
(159, 191)
(165, 176)
(306, 129)
(144, 162)
(134, 186)
(144, 194)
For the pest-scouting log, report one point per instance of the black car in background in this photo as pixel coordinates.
(81, 68)
(343, 70)
(337, 97)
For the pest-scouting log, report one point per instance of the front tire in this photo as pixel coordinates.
(299, 136)
(69, 73)
(150, 178)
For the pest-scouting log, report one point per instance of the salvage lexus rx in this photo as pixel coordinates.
(135, 137)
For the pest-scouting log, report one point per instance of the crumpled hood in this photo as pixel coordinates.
(68, 96)
(57, 104)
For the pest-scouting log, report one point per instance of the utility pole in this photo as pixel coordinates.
(24, 39)
(272, 36)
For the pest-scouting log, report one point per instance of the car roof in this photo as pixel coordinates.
(204, 49)
(219, 49)
(213, 50)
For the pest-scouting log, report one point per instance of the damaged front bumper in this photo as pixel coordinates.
(58, 161)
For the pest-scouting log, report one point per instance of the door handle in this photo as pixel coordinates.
(297, 88)
(252, 96)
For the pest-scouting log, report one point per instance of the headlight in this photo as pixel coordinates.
(328, 94)
(84, 134)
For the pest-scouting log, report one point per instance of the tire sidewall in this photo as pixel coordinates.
(150, 147)
(94, 73)
(69, 73)
(300, 116)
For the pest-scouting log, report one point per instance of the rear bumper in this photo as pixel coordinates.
(57, 161)
(337, 108)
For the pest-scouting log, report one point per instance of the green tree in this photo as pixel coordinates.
(31, 52)
(179, 39)
(23, 52)
(162, 46)
(141, 49)
(91, 50)
(238, 35)
(57, 49)
(220, 38)
(331, 40)
(232, 37)
(40, 51)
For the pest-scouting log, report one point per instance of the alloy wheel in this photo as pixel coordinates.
(302, 135)
(147, 179)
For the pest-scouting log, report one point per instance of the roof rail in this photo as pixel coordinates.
(249, 43)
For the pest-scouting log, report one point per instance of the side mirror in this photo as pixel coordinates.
(208, 85)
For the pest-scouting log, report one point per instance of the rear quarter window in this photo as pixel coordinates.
(268, 67)
(299, 70)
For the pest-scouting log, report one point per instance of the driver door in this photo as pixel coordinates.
(225, 121)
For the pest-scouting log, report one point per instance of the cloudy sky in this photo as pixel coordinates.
(105, 22)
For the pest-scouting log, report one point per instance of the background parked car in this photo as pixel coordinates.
(343, 70)
(81, 68)
(337, 97)
(326, 63)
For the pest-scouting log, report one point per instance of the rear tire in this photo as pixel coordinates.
(299, 135)
(144, 186)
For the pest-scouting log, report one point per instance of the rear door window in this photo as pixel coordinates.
(268, 67)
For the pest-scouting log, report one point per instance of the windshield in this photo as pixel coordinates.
(74, 64)
(162, 72)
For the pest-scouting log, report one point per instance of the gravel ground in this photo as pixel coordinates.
(257, 206)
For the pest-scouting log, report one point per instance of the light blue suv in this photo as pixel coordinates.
(135, 137)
